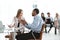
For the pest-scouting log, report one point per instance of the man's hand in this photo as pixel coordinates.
(23, 22)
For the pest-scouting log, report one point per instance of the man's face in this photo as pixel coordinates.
(33, 13)
(48, 15)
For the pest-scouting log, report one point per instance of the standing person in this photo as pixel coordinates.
(56, 23)
(43, 18)
(59, 24)
(49, 20)
(35, 27)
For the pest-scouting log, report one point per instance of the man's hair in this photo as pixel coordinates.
(37, 10)
(42, 13)
(48, 13)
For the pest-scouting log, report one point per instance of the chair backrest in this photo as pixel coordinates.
(41, 33)
(1, 27)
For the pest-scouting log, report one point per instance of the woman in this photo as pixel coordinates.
(16, 19)
(57, 22)
(17, 24)
(43, 17)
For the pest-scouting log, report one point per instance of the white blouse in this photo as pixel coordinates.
(21, 27)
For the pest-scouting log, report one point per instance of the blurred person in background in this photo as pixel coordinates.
(57, 23)
(49, 20)
(43, 18)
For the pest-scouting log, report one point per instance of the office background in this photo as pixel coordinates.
(8, 8)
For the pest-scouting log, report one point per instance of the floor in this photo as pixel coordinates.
(51, 35)
(46, 36)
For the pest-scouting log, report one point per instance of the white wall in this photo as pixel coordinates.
(51, 6)
(8, 8)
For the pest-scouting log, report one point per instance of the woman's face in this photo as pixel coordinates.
(42, 15)
(21, 14)
(56, 15)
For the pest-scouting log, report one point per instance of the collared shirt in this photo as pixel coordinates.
(36, 25)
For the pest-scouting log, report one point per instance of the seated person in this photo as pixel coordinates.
(16, 23)
(35, 27)
(49, 20)
(43, 18)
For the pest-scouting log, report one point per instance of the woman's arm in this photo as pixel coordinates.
(10, 26)
(13, 23)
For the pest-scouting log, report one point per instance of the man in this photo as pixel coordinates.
(49, 20)
(35, 27)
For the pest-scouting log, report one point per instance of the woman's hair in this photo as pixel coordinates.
(18, 12)
(42, 14)
(57, 14)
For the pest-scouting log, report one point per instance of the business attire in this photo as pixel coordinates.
(35, 29)
(49, 21)
(15, 23)
(18, 27)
